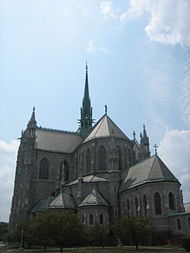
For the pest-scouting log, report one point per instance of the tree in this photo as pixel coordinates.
(133, 229)
(59, 229)
(67, 229)
(186, 242)
(3, 231)
(98, 234)
(37, 230)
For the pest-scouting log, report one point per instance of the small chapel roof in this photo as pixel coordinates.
(56, 141)
(105, 127)
(94, 199)
(150, 170)
(63, 201)
(42, 205)
(89, 179)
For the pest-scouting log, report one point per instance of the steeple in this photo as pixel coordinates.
(86, 110)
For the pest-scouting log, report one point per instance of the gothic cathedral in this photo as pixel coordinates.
(97, 172)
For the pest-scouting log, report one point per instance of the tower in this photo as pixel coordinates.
(144, 145)
(86, 110)
(25, 162)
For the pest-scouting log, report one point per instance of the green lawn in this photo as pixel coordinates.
(100, 250)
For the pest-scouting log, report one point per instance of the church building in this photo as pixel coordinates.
(98, 172)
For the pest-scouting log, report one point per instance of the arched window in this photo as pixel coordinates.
(144, 204)
(101, 219)
(91, 220)
(157, 203)
(119, 157)
(171, 201)
(61, 172)
(82, 218)
(66, 171)
(129, 155)
(102, 158)
(178, 224)
(128, 206)
(88, 160)
(44, 169)
(136, 205)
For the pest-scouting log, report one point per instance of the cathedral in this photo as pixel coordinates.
(98, 172)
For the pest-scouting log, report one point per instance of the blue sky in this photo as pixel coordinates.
(138, 53)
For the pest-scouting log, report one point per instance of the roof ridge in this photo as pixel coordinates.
(101, 121)
(117, 127)
(159, 161)
(151, 168)
(58, 130)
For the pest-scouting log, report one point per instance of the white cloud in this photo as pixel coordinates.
(92, 49)
(8, 152)
(107, 9)
(169, 20)
(185, 99)
(174, 150)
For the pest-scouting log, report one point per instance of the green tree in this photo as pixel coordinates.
(67, 229)
(98, 235)
(37, 230)
(3, 231)
(133, 229)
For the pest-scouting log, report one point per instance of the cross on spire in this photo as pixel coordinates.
(155, 148)
(106, 109)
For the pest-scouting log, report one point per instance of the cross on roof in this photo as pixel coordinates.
(106, 109)
(155, 148)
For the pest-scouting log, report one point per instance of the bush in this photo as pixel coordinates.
(186, 242)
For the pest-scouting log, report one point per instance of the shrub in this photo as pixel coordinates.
(186, 242)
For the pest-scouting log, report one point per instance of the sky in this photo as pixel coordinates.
(138, 54)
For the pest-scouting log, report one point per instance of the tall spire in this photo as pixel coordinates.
(86, 110)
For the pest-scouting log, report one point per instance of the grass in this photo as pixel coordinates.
(100, 250)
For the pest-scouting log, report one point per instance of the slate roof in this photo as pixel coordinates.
(94, 199)
(57, 141)
(89, 179)
(105, 127)
(42, 205)
(63, 201)
(149, 170)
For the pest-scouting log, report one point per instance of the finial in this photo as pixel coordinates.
(134, 134)
(106, 109)
(155, 147)
(144, 127)
(34, 108)
(141, 135)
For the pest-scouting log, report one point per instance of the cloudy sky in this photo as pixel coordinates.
(138, 53)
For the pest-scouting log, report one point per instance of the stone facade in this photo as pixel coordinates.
(98, 172)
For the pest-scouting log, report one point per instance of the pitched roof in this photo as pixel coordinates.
(94, 199)
(89, 179)
(149, 170)
(105, 127)
(63, 201)
(42, 205)
(57, 141)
